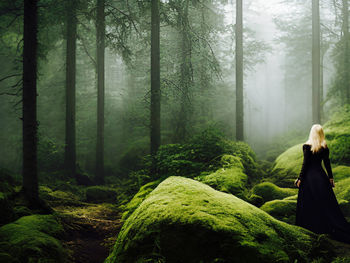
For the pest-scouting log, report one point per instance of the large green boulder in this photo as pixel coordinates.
(283, 210)
(269, 191)
(183, 220)
(229, 179)
(141, 195)
(31, 239)
(337, 131)
(287, 166)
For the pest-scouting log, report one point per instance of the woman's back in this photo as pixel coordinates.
(313, 160)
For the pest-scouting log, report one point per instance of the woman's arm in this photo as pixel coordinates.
(306, 161)
(327, 164)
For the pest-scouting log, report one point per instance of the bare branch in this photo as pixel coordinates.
(10, 76)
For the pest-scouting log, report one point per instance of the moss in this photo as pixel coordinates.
(100, 194)
(229, 180)
(269, 191)
(281, 209)
(341, 172)
(287, 166)
(342, 189)
(256, 200)
(43, 223)
(26, 240)
(337, 131)
(205, 225)
(228, 161)
(138, 198)
(21, 210)
(292, 197)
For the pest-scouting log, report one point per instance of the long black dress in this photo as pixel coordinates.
(317, 206)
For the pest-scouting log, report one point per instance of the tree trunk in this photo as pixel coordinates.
(185, 78)
(316, 62)
(29, 117)
(70, 148)
(155, 82)
(100, 38)
(239, 72)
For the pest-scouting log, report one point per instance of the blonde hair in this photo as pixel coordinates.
(316, 138)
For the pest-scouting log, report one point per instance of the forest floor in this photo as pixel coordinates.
(91, 230)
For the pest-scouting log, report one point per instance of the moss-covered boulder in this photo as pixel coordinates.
(269, 191)
(30, 239)
(287, 166)
(101, 194)
(337, 131)
(284, 210)
(342, 189)
(183, 220)
(229, 179)
(141, 195)
(341, 172)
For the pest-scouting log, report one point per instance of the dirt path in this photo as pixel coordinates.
(91, 231)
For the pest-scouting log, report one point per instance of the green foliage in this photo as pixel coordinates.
(283, 210)
(269, 191)
(100, 194)
(132, 158)
(209, 226)
(202, 153)
(50, 154)
(28, 239)
(229, 179)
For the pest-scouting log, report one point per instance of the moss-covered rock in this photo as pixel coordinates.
(292, 197)
(287, 166)
(138, 198)
(342, 189)
(183, 220)
(269, 191)
(44, 223)
(229, 180)
(28, 239)
(284, 210)
(337, 131)
(256, 200)
(101, 194)
(341, 172)
(228, 161)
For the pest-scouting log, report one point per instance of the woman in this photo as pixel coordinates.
(317, 206)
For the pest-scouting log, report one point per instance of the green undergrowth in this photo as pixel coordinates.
(205, 225)
(32, 239)
(229, 179)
